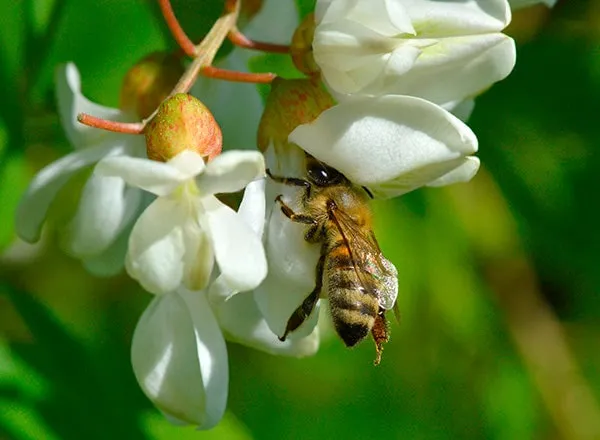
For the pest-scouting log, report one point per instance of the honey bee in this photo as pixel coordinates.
(360, 283)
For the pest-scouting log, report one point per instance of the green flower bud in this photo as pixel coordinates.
(149, 82)
(183, 123)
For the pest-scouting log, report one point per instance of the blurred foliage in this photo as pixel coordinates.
(492, 273)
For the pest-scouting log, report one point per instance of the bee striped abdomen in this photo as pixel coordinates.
(353, 304)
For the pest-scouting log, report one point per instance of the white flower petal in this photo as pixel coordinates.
(238, 250)
(231, 171)
(157, 246)
(278, 298)
(392, 144)
(156, 177)
(34, 205)
(180, 359)
(388, 17)
(462, 173)
(252, 209)
(454, 69)
(292, 269)
(242, 322)
(447, 18)
(107, 205)
(71, 102)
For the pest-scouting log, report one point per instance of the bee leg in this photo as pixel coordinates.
(291, 181)
(314, 234)
(380, 334)
(303, 312)
(289, 213)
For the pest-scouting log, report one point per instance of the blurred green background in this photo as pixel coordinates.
(499, 278)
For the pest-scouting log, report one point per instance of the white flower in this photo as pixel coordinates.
(178, 352)
(391, 144)
(518, 4)
(178, 237)
(442, 51)
(107, 207)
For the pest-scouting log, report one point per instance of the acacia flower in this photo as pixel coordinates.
(444, 52)
(390, 144)
(178, 353)
(107, 206)
(178, 237)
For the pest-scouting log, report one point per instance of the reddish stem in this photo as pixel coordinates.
(235, 76)
(117, 127)
(178, 33)
(239, 39)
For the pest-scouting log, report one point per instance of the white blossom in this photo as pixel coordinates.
(442, 51)
(178, 353)
(179, 236)
(391, 144)
(107, 206)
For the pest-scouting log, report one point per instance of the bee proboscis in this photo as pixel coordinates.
(360, 283)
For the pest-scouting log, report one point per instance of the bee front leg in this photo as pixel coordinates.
(289, 213)
(302, 313)
(291, 181)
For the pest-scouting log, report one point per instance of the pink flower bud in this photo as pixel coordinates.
(183, 123)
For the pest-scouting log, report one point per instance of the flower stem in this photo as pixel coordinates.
(179, 34)
(239, 39)
(235, 76)
(104, 124)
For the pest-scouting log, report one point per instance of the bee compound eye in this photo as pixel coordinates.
(323, 175)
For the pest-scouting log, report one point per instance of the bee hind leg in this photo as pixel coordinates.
(380, 334)
(302, 313)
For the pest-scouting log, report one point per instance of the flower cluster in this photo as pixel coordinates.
(389, 85)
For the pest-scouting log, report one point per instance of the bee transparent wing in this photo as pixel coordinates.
(368, 260)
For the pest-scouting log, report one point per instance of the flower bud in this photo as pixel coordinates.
(301, 47)
(183, 123)
(290, 103)
(149, 82)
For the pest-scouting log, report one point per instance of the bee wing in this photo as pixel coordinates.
(368, 260)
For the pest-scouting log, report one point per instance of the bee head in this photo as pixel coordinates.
(322, 175)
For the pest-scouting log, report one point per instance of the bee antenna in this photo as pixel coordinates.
(368, 191)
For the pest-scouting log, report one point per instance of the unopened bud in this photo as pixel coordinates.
(149, 82)
(291, 103)
(301, 47)
(183, 123)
